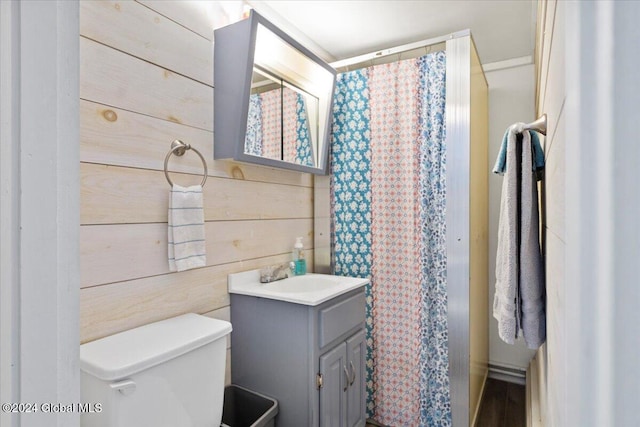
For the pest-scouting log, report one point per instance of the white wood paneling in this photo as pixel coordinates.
(106, 310)
(546, 39)
(113, 253)
(114, 136)
(146, 76)
(126, 25)
(602, 230)
(555, 94)
(534, 418)
(110, 309)
(556, 337)
(127, 195)
(199, 16)
(537, 57)
(554, 183)
(112, 77)
(551, 98)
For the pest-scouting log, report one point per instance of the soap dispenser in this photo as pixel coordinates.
(299, 263)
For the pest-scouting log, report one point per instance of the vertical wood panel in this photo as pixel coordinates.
(554, 184)
(555, 94)
(545, 51)
(551, 98)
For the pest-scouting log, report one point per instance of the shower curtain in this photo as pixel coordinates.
(388, 222)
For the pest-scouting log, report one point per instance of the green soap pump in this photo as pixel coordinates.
(299, 263)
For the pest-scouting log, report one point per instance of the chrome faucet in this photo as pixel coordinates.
(273, 273)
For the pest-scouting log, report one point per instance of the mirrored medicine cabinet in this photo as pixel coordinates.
(273, 98)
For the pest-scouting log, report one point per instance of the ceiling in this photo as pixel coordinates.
(502, 29)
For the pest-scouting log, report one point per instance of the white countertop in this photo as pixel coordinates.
(308, 289)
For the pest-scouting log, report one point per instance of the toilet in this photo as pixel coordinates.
(165, 374)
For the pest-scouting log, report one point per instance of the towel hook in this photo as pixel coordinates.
(179, 148)
(539, 125)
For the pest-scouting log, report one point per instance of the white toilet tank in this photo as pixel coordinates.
(165, 374)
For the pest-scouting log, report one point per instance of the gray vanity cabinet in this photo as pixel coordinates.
(310, 358)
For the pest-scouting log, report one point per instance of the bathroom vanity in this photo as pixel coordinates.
(302, 341)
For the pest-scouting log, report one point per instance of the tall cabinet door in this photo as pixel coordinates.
(333, 410)
(356, 401)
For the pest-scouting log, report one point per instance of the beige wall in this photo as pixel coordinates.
(551, 95)
(146, 78)
(511, 99)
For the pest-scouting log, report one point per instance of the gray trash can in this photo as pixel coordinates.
(246, 408)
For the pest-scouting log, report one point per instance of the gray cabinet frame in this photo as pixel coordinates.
(234, 47)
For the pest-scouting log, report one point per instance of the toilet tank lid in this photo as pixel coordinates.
(126, 353)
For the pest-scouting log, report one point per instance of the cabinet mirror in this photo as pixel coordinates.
(273, 98)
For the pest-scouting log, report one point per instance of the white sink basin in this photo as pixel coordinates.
(310, 289)
(306, 283)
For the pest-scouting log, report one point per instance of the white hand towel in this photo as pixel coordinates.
(186, 228)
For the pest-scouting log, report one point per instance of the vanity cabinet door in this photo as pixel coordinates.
(356, 350)
(333, 399)
(342, 395)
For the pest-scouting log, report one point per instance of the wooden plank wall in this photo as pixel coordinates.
(550, 99)
(146, 78)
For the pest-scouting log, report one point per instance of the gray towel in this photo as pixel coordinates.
(519, 302)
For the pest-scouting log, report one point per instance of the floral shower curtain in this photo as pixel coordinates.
(388, 201)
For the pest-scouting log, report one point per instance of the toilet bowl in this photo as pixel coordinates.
(165, 374)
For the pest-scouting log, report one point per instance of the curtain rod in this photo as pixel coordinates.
(398, 49)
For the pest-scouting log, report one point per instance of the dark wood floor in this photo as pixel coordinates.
(503, 405)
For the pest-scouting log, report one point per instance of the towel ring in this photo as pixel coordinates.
(178, 148)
